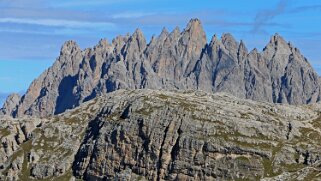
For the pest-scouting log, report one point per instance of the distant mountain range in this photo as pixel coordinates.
(172, 60)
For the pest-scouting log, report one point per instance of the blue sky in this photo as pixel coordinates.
(32, 31)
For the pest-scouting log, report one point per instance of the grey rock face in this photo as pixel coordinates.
(10, 105)
(175, 60)
(161, 135)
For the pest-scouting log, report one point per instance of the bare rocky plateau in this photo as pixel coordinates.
(165, 135)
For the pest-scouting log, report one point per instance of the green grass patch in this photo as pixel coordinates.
(4, 132)
(25, 173)
(243, 159)
(292, 167)
(162, 96)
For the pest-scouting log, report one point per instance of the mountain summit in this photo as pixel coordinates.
(173, 60)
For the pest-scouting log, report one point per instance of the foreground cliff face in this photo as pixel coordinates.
(177, 60)
(160, 135)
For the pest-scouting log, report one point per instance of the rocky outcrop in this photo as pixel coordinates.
(34, 149)
(10, 105)
(173, 60)
(13, 136)
(160, 135)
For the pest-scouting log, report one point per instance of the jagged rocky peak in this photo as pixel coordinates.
(158, 40)
(215, 42)
(175, 34)
(194, 22)
(103, 43)
(103, 48)
(214, 39)
(195, 26)
(139, 39)
(171, 39)
(242, 46)
(254, 56)
(135, 46)
(214, 47)
(163, 35)
(195, 33)
(69, 47)
(138, 34)
(277, 42)
(229, 42)
(11, 103)
(254, 51)
(279, 47)
(286, 47)
(164, 32)
(70, 58)
(277, 39)
(242, 50)
(118, 42)
(192, 42)
(152, 41)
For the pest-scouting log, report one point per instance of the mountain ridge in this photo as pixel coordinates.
(172, 60)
